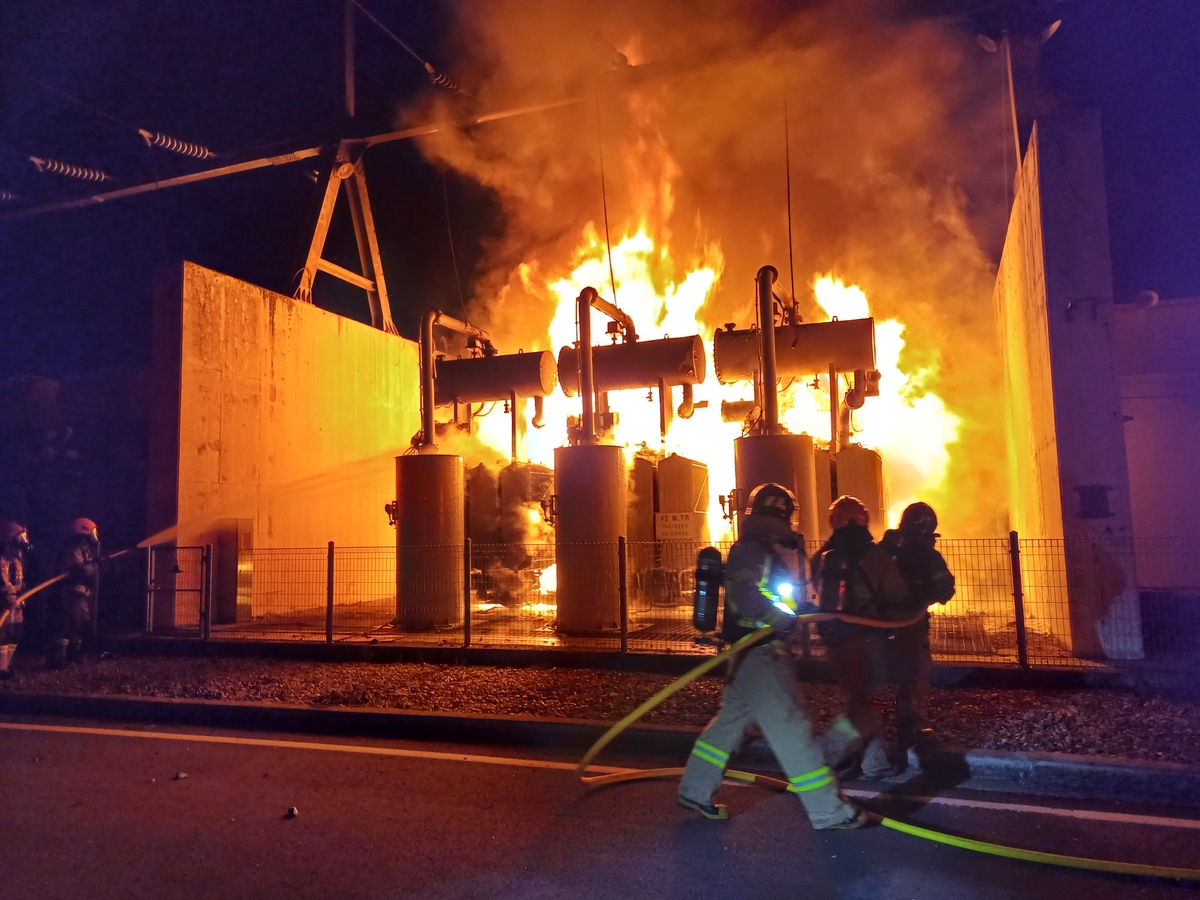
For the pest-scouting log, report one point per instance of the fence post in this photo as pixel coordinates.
(1014, 552)
(149, 623)
(329, 594)
(206, 582)
(467, 593)
(623, 588)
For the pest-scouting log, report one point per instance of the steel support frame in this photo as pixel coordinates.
(347, 171)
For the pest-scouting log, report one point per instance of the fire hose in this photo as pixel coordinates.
(21, 598)
(929, 834)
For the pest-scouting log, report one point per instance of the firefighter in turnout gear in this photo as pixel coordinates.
(929, 581)
(856, 576)
(14, 544)
(762, 588)
(71, 615)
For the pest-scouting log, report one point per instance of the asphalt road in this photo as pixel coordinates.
(99, 814)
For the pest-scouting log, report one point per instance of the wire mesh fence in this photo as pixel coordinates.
(1032, 602)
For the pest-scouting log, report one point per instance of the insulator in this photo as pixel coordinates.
(62, 168)
(618, 59)
(443, 81)
(175, 145)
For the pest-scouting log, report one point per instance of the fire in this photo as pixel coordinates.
(908, 424)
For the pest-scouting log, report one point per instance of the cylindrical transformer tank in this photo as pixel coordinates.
(641, 364)
(824, 470)
(804, 349)
(589, 503)
(484, 379)
(860, 474)
(429, 541)
(785, 459)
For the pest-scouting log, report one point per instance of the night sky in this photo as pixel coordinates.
(258, 78)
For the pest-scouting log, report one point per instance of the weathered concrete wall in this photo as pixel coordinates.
(1160, 396)
(286, 414)
(1068, 474)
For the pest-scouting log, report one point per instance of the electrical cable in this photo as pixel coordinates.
(442, 81)
(450, 237)
(612, 280)
(787, 164)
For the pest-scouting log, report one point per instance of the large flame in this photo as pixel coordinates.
(907, 423)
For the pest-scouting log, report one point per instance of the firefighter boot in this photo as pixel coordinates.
(57, 657)
(6, 655)
(875, 761)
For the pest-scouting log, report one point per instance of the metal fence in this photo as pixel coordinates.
(1074, 603)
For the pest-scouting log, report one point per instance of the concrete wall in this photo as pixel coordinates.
(1160, 396)
(274, 410)
(1068, 474)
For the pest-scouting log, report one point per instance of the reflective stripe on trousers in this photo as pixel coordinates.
(762, 690)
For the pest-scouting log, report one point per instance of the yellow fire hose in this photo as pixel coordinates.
(929, 834)
(52, 581)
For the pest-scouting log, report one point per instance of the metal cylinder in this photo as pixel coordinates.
(766, 348)
(484, 379)
(429, 541)
(589, 487)
(785, 459)
(825, 475)
(585, 373)
(622, 367)
(806, 349)
(860, 474)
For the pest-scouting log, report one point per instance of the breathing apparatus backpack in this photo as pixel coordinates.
(706, 600)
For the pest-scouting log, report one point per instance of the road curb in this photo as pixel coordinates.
(1045, 774)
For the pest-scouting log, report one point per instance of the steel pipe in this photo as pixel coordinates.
(437, 317)
(806, 349)
(766, 348)
(587, 297)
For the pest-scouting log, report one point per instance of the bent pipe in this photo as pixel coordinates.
(766, 348)
(589, 298)
(437, 317)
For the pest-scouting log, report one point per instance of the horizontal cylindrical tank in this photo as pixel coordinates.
(641, 364)
(785, 459)
(589, 503)
(860, 474)
(804, 349)
(484, 379)
(429, 541)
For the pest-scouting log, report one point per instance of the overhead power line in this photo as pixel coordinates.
(442, 81)
(152, 138)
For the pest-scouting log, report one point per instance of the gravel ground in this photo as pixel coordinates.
(1089, 722)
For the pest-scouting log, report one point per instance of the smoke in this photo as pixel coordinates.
(895, 154)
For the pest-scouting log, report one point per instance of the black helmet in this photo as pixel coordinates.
(919, 518)
(772, 500)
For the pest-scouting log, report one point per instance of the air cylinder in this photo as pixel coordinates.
(429, 541)
(860, 474)
(589, 504)
(785, 459)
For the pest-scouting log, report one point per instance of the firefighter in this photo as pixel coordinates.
(14, 544)
(761, 588)
(929, 581)
(856, 576)
(71, 617)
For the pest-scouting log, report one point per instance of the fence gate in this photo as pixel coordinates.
(179, 589)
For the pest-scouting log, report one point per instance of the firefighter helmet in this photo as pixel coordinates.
(846, 509)
(771, 500)
(14, 533)
(84, 526)
(919, 518)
